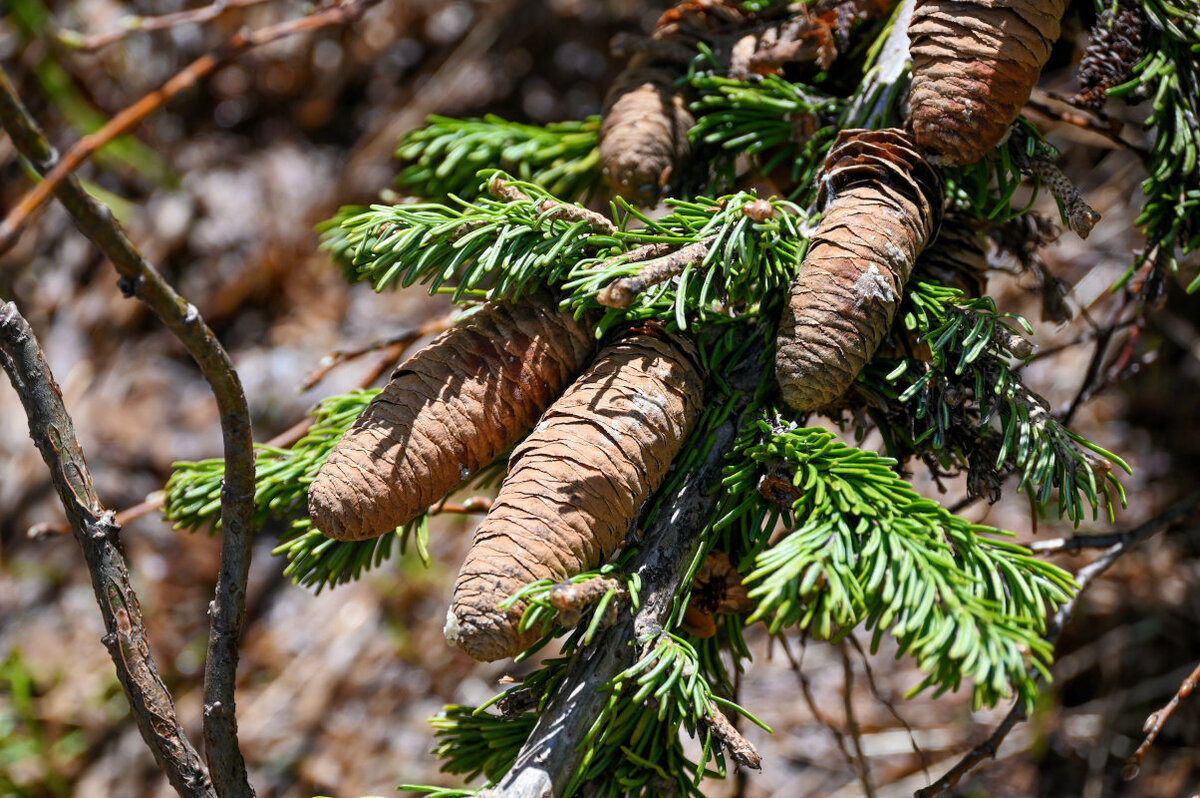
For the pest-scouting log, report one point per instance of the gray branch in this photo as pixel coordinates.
(139, 278)
(97, 532)
(552, 753)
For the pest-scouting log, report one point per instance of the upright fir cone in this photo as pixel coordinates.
(882, 204)
(1114, 49)
(447, 412)
(643, 139)
(975, 63)
(576, 485)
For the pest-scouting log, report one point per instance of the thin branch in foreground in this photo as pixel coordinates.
(887, 703)
(130, 117)
(1179, 513)
(97, 533)
(1154, 724)
(623, 293)
(797, 666)
(549, 758)
(139, 278)
(501, 189)
(135, 23)
(741, 750)
(398, 341)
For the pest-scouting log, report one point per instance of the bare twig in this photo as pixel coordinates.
(1177, 514)
(623, 293)
(97, 532)
(810, 700)
(400, 341)
(861, 766)
(1154, 724)
(502, 190)
(887, 703)
(740, 749)
(552, 753)
(139, 278)
(138, 24)
(127, 119)
(1080, 216)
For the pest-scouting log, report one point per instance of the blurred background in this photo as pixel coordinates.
(221, 189)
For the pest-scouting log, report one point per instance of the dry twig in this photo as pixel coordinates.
(623, 293)
(399, 341)
(1154, 724)
(97, 532)
(135, 23)
(130, 117)
(139, 278)
(501, 189)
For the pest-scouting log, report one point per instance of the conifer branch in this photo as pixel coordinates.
(866, 548)
(139, 278)
(1180, 513)
(97, 533)
(553, 757)
(1169, 75)
(445, 156)
(967, 382)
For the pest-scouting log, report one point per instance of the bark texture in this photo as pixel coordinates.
(576, 485)
(975, 63)
(448, 411)
(882, 204)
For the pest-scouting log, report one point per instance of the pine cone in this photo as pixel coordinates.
(1113, 51)
(882, 203)
(975, 63)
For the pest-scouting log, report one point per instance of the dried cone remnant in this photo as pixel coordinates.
(975, 63)
(717, 589)
(958, 258)
(882, 203)
(576, 485)
(448, 411)
(1114, 50)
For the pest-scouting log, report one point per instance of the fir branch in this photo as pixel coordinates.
(721, 256)
(1169, 74)
(967, 379)
(774, 121)
(869, 549)
(473, 743)
(445, 156)
(503, 248)
(741, 249)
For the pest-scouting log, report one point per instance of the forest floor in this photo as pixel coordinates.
(222, 189)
